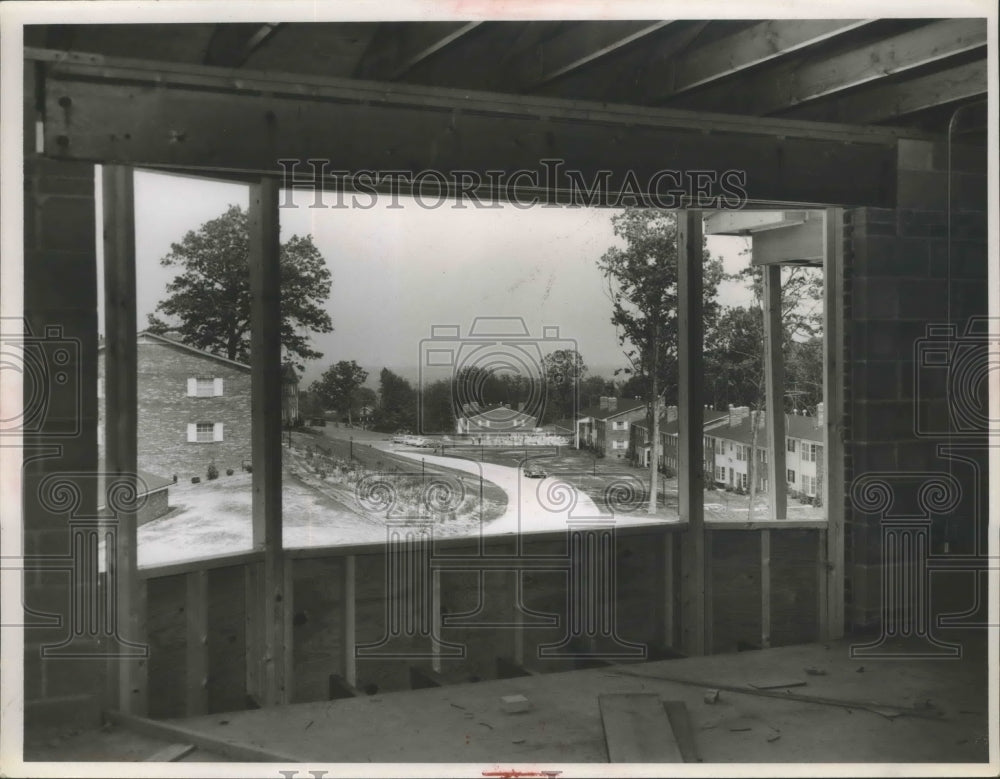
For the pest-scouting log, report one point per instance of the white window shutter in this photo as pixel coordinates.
(192, 433)
(217, 432)
(217, 387)
(192, 387)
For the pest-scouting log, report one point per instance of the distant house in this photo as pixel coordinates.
(193, 408)
(729, 437)
(500, 418)
(605, 427)
(669, 435)
(289, 395)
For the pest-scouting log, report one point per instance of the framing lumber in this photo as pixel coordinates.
(765, 589)
(581, 44)
(691, 471)
(773, 90)
(349, 614)
(397, 47)
(637, 729)
(122, 395)
(885, 102)
(833, 410)
(170, 754)
(172, 116)
(763, 42)
(180, 733)
(196, 648)
(265, 390)
(774, 392)
(232, 44)
(680, 723)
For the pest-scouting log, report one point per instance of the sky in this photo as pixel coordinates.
(398, 272)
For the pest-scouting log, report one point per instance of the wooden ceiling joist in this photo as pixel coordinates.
(747, 48)
(232, 44)
(196, 117)
(885, 102)
(581, 44)
(796, 82)
(396, 48)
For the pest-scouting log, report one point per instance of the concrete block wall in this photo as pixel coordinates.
(907, 269)
(60, 439)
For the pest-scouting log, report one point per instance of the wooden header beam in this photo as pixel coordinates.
(206, 118)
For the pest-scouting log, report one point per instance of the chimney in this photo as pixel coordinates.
(737, 413)
(612, 404)
(820, 418)
(604, 402)
(671, 413)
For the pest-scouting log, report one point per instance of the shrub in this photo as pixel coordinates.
(213, 472)
(249, 468)
(229, 471)
(196, 480)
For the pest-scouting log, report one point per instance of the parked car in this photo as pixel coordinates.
(534, 472)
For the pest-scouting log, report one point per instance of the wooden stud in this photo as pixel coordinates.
(196, 653)
(774, 381)
(254, 634)
(669, 591)
(121, 354)
(691, 473)
(765, 589)
(833, 410)
(265, 376)
(350, 617)
(822, 598)
(435, 620)
(398, 48)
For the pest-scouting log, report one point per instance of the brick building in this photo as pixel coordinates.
(605, 427)
(193, 408)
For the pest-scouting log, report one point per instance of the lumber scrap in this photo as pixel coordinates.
(680, 723)
(637, 730)
(170, 753)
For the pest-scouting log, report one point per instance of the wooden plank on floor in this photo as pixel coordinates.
(170, 754)
(177, 733)
(637, 730)
(680, 723)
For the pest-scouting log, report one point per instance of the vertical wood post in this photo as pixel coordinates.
(774, 389)
(253, 615)
(196, 652)
(350, 616)
(669, 593)
(833, 409)
(691, 473)
(121, 396)
(765, 589)
(265, 375)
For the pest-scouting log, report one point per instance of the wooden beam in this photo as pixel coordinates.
(800, 244)
(349, 613)
(833, 410)
(174, 118)
(265, 377)
(121, 353)
(690, 413)
(886, 102)
(637, 729)
(800, 80)
(232, 44)
(170, 754)
(765, 589)
(196, 648)
(750, 47)
(254, 637)
(774, 391)
(669, 592)
(581, 44)
(190, 735)
(398, 46)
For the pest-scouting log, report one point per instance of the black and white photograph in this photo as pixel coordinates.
(499, 389)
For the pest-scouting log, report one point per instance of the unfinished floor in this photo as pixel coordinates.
(909, 710)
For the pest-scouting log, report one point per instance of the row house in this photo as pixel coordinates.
(729, 438)
(607, 426)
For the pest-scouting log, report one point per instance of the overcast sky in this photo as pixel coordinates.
(397, 272)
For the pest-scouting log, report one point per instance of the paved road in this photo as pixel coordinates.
(533, 505)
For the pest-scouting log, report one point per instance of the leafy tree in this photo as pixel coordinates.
(208, 304)
(397, 408)
(592, 388)
(338, 385)
(642, 286)
(563, 370)
(437, 407)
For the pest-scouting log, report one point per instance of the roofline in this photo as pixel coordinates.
(195, 350)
